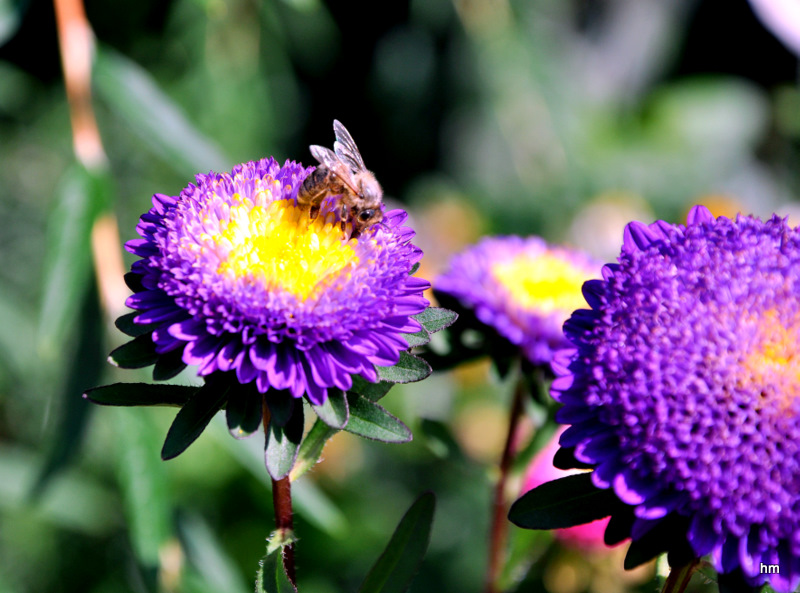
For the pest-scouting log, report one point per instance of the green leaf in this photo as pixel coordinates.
(68, 261)
(168, 365)
(368, 419)
(125, 324)
(271, 576)
(133, 95)
(334, 411)
(372, 391)
(407, 370)
(311, 448)
(244, 410)
(619, 527)
(663, 537)
(139, 352)
(565, 502)
(414, 269)
(440, 440)
(194, 416)
(143, 483)
(400, 561)
(283, 443)
(86, 368)
(435, 319)
(140, 394)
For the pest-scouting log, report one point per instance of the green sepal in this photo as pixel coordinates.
(419, 338)
(569, 501)
(334, 410)
(372, 391)
(369, 420)
(168, 365)
(400, 560)
(194, 416)
(435, 319)
(134, 282)
(125, 324)
(271, 576)
(311, 448)
(140, 394)
(408, 369)
(666, 535)
(283, 443)
(619, 526)
(414, 269)
(281, 406)
(139, 352)
(565, 459)
(244, 410)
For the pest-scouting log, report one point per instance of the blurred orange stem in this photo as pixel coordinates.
(76, 44)
(499, 525)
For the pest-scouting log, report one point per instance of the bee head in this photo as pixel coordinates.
(366, 218)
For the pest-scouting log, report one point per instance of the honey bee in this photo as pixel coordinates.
(342, 173)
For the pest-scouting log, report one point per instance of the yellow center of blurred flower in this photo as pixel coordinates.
(278, 244)
(774, 364)
(543, 283)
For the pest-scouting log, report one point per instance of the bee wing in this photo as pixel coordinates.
(332, 161)
(346, 148)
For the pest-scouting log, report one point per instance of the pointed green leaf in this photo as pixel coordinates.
(333, 411)
(283, 444)
(134, 282)
(663, 537)
(311, 448)
(565, 502)
(400, 561)
(168, 365)
(368, 419)
(435, 319)
(139, 352)
(125, 324)
(407, 370)
(193, 417)
(372, 391)
(140, 394)
(244, 410)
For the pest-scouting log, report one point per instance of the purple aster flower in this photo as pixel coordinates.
(682, 388)
(234, 277)
(520, 287)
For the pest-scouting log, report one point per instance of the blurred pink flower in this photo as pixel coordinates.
(541, 470)
(782, 18)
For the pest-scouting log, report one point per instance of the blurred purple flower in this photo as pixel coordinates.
(522, 288)
(239, 279)
(682, 388)
(782, 17)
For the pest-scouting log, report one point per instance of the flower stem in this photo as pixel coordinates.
(499, 525)
(282, 504)
(679, 577)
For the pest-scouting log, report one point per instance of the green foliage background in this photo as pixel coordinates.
(494, 116)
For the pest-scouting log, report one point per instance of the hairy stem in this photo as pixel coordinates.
(282, 504)
(499, 524)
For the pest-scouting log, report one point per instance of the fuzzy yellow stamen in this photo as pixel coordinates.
(544, 283)
(276, 243)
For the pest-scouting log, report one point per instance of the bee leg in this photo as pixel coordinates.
(314, 212)
(343, 216)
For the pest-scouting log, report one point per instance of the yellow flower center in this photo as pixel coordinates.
(276, 243)
(774, 364)
(544, 283)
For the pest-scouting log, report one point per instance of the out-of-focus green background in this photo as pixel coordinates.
(564, 118)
